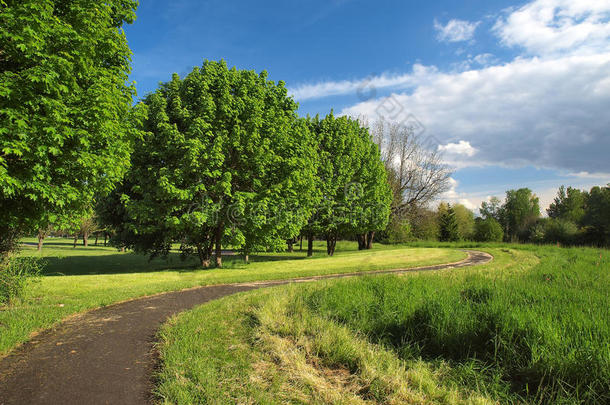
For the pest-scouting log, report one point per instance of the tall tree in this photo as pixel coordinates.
(448, 225)
(465, 220)
(355, 197)
(492, 209)
(521, 210)
(65, 105)
(597, 216)
(568, 205)
(223, 158)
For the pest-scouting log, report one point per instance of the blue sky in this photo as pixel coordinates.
(515, 93)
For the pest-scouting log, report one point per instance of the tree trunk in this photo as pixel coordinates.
(40, 241)
(301, 243)
(331, 243)
(123, 249)
(204, 257)
(309, 245)
(97, 236)
(105, 238)
(369, 242)
(290, 243)
(85, 239)
(246, 258)
(361, 241)
(218, 255)
(75, 240)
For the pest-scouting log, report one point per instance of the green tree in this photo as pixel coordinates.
(520, 211)
(492, 209)
(465, 221)
(448, 225)
(488, 230)
(569, 205)
(596, 219)
(355, 195)
(223, 158)
(65, 107)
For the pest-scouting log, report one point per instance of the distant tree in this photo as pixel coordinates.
(223, 159)
(569, 205)
(488, 230)
(65, 107)
(424, 223)
(355, 196)
(448, 225)
(492, 209)
(520, 210)
(465, 221)
(596, 219)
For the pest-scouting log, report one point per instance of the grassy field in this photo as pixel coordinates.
(81, 278)
(533, 326)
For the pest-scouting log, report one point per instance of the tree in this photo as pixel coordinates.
(425, 223)
(488, 230)
(596, 219)
(520, 210)
(416, 172)
(492, 209)
(355, 197)
(465, 220)
(569, 205)
(223, 158)
(448, 225)
(65, 107)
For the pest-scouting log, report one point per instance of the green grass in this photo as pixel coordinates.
(77, 279)
(533, 326)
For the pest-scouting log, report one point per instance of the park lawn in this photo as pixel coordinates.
(81, 278)
(532, 326)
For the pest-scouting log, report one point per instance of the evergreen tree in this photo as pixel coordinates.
(448, 225)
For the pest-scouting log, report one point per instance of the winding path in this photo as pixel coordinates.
(106, 356)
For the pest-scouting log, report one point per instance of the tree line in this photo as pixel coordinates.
(575, 217)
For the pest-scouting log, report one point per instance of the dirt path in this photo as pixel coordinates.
(105, 356)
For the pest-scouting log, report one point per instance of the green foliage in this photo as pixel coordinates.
(492, 209)
(223, 157)
(65, 107)
(597, 216)
(399, 230)
(568, 205)
(448, 225)
(351, 178)
(488, 230)
(465, 221)
(15, 275)
(521, 210)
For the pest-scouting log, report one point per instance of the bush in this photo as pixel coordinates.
(399, 231)
(15, 275)
(488, 230)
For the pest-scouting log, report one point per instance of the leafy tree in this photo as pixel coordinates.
(520, 211)
(560, 230)
(424, 223)
(596, 219)
(465, 221)
(65, 107)
(488, 230)
(448, 225)
(492, 209)
(223, 158)
(355, 197)
(569, 205)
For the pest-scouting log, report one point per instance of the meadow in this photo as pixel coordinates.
(532, 326)
(82, 278)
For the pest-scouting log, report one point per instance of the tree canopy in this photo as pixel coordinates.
(223, 157)
(65, 107)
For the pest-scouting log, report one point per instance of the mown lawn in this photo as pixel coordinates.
(533, 326)
(81, 278)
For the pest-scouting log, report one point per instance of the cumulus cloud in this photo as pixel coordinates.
(461, 148)
(455, 30)
(545, 27)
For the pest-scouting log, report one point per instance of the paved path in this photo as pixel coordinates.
(106, 356)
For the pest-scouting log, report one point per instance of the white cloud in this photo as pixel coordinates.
(454, 197)
(455, 30)
(545, 27)
(461, 148)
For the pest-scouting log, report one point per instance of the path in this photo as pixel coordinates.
(105, 356)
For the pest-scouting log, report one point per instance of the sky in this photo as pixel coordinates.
(513, 93)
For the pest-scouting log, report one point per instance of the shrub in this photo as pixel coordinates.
(488, 230)
(399, 230)
(15, 275)
(560, 230)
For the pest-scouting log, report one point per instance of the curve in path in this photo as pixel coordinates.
(106, 356)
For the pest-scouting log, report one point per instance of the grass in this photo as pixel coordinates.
(78, 279)
(530, 327)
